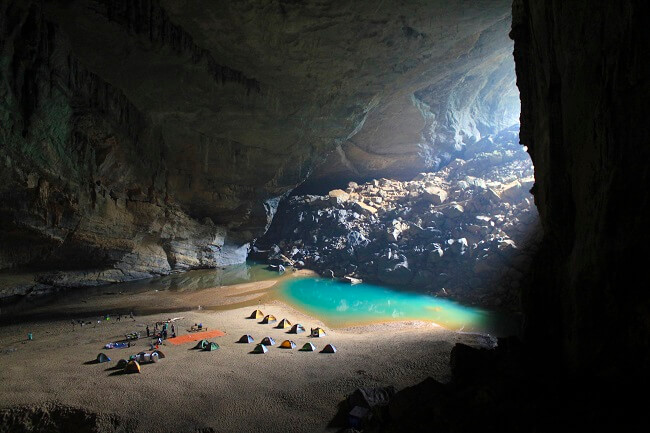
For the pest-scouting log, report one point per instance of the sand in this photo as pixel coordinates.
(230, 390)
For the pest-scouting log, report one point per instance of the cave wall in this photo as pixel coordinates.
(423, 128)
(582, 70)
(151, 136)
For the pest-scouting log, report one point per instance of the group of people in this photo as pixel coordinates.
(164, 332)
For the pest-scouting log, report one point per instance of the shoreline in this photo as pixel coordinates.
(188, 384)
(74, 304)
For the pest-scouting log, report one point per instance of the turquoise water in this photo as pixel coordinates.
(340, 304)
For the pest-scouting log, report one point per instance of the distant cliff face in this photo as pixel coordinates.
(143, 137)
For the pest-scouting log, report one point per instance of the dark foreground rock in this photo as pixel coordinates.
(56, 418)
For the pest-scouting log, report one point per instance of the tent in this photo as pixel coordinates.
(268, 341)
(297, 329)
(328, 349)
(269, 319)
(308, 347)
(284, 324)
(201, 344)
(132, 367)
(317, 332)
(211, 346)
(159, 353)
(246, 339)
(121, 363)
(145, 357)
(260, 348)
(257, 314)
(103, 358)
(287, 344)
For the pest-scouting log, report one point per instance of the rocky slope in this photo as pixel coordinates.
(145, 137)
(467, 231)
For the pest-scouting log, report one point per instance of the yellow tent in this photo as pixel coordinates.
(317, 332)
(287, 344)
(132, 367)
(257, 314)
(284, 324)
(269, 319)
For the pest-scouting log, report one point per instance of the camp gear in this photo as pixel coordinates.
(187, 338)
(132, 367)
(260, 348)
(308, 347)
(246, 339)
(197, 328)
(257, 314)
(103, 358)
(287, 344)
(201, 344)
(284, 324)
(329, 349)
(211, 346)
(297, 329)
(269, 319)
(147, 357)
(268, 341)
(317, 332)
(117, 345)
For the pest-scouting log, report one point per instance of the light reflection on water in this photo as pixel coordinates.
(340, 304)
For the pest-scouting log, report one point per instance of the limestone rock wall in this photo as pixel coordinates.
(582, 69)
(149, 136)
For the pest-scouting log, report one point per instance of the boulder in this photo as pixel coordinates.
(338, 196)
(361, 207)
(434, 195)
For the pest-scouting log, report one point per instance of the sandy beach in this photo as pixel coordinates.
(229, 390)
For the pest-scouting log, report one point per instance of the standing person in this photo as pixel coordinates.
(132, 316)
(173, 331)
(147, 330)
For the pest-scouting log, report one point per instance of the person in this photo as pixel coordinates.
(132, 316)
(147, 330)
(119, 317)
(173, 328)
(159, 341)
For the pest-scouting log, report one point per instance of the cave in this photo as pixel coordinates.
(442, 204)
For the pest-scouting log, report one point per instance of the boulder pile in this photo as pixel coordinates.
(467, 231)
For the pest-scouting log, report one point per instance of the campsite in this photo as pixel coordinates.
(304, 387)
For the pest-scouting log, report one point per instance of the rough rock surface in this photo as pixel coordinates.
(467, 231)
(144, 137)
(583, 74)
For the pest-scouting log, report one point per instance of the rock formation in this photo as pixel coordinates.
(583, 75)
(467, 231)
(146, 137)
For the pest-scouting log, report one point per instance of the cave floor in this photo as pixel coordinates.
(228, 390)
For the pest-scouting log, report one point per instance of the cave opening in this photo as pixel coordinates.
(453, 220)
(365, 157)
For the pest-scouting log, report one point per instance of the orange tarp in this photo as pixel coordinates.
(195, 336)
